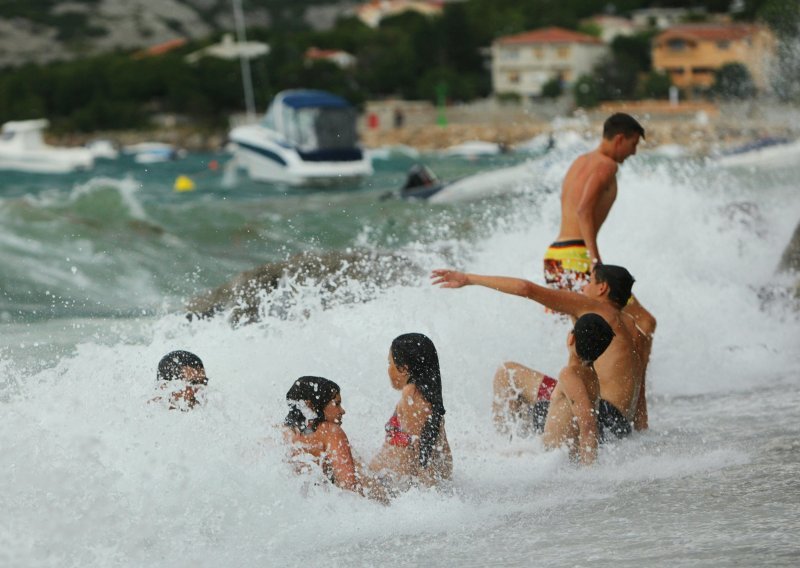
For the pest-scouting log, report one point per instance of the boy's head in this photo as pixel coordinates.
(621, 133)
(619, 282)
(622, 123)
(592, 336)
(182, 366)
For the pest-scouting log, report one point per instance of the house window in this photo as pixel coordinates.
(512, 53)
(513, 78)
(702, 70)
(677, 45)
(562, 51)
(724, 44)
(674, 70)
(538, 52)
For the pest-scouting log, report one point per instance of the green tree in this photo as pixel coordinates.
(553, 88)
(733, 81)
(654, 85)
(586, 92)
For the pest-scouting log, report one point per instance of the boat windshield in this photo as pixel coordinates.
(319, 128)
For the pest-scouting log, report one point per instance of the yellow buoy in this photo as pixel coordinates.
(183, 183)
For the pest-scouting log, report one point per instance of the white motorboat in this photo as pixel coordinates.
(103, 149)
(23, 148)
(306, 138)
(153, 152)
(473, 149)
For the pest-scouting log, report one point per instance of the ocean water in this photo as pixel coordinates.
(95, 270)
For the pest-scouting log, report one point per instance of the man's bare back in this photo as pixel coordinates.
(587, 194)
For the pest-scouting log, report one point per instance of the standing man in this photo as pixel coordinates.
(587, 194)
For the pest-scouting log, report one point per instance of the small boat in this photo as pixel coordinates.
(474, 149)
(421, 183)
(22, 148)
(153, 152)
(103, 149)
(306, 138)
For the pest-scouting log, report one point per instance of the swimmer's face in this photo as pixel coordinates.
(590, 289)
(195, 376)
(398, 377)
(333, 411)
(626, 146)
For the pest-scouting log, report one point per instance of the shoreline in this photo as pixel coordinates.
(699, 127)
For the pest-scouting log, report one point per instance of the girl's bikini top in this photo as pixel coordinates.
(395, 435)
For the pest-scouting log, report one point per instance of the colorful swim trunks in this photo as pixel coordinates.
(567, 265)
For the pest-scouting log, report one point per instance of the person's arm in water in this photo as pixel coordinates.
(598, 182)
(583, 411)
(640, 421)
(570, 303)
(337, 448)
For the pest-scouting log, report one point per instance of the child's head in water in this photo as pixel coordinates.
(187, 371)
(309, 401)
(182, 366)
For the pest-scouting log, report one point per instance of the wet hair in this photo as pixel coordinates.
(416, 353)
(307, 400)
(619, 280)
(170, 368)
(592, 336)
(621, 123)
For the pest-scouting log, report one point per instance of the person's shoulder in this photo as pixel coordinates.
(331, 433)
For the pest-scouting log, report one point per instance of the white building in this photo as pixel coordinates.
(523, 63)
(612, 26)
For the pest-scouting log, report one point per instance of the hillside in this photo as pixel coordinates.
(41, 31)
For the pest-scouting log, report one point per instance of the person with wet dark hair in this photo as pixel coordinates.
(415, 446)
(183, 374)
(617, 369)
(313, 428)
(568, 416)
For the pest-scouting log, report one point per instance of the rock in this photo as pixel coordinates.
(275, 288)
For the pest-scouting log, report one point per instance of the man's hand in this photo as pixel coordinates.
(449, 278)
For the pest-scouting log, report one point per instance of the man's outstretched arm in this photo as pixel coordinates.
(570, 303)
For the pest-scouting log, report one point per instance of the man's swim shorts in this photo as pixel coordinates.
(567, 265)
(611, 422)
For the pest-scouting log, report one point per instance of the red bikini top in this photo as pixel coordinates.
(395, 435)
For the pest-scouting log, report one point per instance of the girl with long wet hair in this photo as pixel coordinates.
(416, 444)
(313, 428)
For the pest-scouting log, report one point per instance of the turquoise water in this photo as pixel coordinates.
(119, 240)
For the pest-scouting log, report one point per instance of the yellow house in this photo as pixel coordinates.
(692, 53)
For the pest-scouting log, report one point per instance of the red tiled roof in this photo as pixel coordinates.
(709, 32)
(548, 35)
(161, 48)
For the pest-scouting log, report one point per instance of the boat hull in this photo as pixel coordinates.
(55, 161)
(267, 161)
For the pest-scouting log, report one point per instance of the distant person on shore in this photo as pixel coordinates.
(182, 374)
(606, 293)
(313, 429)
(587, 194)
(415, 448)
(565, 410)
